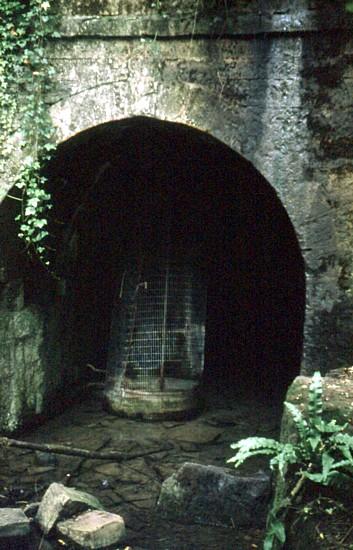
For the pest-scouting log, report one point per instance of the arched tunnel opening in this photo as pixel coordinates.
(128, 187)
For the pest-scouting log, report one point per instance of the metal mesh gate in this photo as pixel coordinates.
(158, 329)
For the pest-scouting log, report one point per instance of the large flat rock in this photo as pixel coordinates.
(214, 496)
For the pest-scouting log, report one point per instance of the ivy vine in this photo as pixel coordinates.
(25, 73)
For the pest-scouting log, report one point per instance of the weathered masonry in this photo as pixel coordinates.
(183, 105)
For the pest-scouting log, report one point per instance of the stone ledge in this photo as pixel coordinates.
(230, 25)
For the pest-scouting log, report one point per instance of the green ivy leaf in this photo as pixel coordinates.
(40, 223)
(39, 237)
(24, 30)
(30, 211)
(33, 201)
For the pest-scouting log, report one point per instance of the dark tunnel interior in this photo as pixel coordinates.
(128, 187)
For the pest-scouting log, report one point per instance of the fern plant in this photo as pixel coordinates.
(323, 454)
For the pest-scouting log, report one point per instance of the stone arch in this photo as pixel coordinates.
(109, 185)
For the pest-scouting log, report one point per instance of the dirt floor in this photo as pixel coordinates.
(132, 488)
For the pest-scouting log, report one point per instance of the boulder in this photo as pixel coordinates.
(60, 502)
(215, 496)
(95, 529)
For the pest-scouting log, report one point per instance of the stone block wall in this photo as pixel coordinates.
(21, 360)
(273, 80)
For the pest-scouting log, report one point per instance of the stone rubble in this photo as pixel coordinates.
(67, 512)
(60, 502)
(196, 493)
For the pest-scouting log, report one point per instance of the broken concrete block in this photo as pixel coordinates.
(95, 529)
(215, 496)
(60, 502)
(13, 523)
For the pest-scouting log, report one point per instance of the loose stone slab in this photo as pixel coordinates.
(60, 502)
(215, 496)
(13, 523)
(95, 529)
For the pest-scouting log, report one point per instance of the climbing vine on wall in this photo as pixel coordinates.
(25, 74)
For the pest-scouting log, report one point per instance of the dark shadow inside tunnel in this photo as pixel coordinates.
(126, 188)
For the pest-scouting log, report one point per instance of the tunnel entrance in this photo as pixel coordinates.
(114, 188)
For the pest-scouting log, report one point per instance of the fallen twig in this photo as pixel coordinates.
(118, 456)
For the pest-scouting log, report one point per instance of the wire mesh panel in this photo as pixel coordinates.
(158, 329)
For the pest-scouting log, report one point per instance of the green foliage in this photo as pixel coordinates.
(349, 7)
(322, 454)
(25, 73)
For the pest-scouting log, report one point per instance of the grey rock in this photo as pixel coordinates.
(95, 529)
(60, 502)
(13, 523)
(215, 496)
